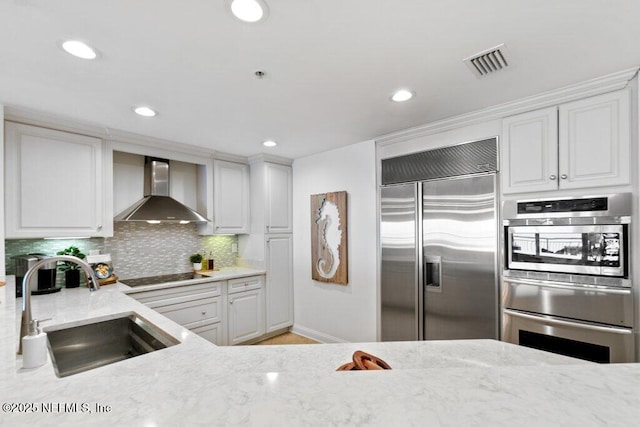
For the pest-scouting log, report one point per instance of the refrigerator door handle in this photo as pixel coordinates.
(432, 273)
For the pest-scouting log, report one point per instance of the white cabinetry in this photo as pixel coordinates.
(198, 307)
(271, 197)
(580, 144)
(271, 242)
(279, 295)
(530, 151)
(231, 197)
(245, 308)
(56, 184)
(595, 141)
(278, 198)
(213, 332)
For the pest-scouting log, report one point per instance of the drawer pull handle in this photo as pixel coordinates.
(569, 286)
(575, 325)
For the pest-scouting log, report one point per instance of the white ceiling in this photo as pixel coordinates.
(331, 64)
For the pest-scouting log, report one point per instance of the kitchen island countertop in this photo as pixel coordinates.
(474, 382)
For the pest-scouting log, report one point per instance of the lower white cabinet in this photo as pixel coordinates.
(225, 312)
(193, 312)
(199, 307)
(213, 332)
(279, 289)
(245, 309)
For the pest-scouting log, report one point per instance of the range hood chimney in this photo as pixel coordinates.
(157, 206)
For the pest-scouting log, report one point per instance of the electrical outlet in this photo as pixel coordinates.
(234, 248)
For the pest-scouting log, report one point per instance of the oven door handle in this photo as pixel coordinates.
(575, 325)
(569, 286)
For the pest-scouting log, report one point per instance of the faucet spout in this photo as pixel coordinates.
(27, 317)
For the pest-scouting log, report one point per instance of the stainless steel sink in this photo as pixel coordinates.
(91, 345)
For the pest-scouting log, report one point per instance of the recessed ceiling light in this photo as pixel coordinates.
(79, 49)
(249, 10)
(145, 111)
(269, 143)
(402, 95)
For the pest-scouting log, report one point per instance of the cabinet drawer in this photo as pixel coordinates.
(178, 294)
(245, 284)
(210, 332)
(193, 311)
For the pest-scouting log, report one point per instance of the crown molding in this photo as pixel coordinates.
(597, 86)
(121, 140)
(270, 158)
(230, 158)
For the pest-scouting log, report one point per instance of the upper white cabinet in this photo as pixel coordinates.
(278, 192)
(530, 151)
(271, 197)
(56, 184)
(231, 197)
(580, 144)
(594, 138)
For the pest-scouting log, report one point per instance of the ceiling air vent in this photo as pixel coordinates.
(488, 61)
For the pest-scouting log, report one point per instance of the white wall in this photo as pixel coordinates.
(330, 312)
(2, 266)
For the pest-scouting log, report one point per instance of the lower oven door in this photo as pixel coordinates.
(583, 340)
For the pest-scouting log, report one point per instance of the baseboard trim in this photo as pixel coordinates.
(315, 335)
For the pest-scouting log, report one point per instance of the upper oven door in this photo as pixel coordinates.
(578, 249)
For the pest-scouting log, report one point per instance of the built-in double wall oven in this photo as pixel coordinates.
(566, 286)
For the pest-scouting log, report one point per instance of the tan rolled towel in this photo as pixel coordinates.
(364, 362)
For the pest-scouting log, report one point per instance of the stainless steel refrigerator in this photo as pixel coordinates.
(438, 244)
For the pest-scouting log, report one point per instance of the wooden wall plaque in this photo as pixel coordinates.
(329, 237)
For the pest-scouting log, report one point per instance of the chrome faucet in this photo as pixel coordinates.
(27, 318)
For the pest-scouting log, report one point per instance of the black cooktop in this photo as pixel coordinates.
(156, 280)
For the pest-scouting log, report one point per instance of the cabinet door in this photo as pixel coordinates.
(231, 197)
(594, 141)
(530, 152)
(279, 205)
(246, 316)
(279, 288)
(54, 183)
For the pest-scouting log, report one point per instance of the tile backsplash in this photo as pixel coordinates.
(139, 249)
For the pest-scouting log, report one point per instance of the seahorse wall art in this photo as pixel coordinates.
(329, 237)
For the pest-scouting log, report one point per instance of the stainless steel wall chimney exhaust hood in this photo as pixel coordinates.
(157, 206)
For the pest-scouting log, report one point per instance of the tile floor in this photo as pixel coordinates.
(287, 338)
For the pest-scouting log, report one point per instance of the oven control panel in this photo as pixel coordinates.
(569, 205)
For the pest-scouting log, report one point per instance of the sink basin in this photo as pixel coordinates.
(91, 345)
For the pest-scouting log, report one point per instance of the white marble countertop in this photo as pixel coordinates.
(476, 382)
